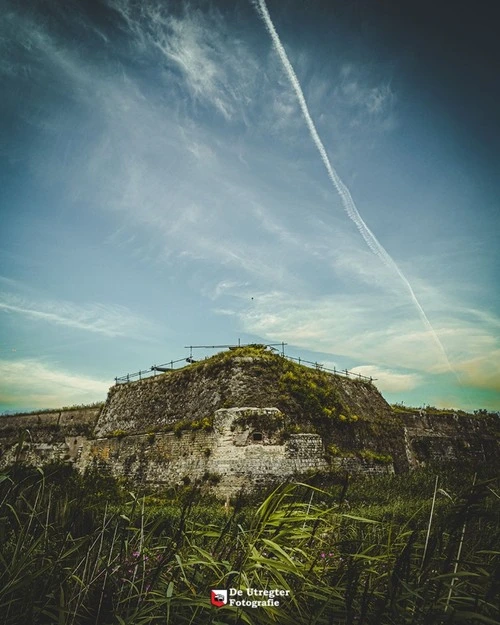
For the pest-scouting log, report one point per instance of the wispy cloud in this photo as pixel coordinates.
(98, 318)
(343, 191)
(482, 371)
(35, 53)
(143, 156)
(389, 381)
(31, 383)
(367, 101)
(223, 287)
(362, 329)
(215, 64)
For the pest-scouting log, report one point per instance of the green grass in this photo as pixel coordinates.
(81, 549)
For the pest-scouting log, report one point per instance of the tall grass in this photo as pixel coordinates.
(355, 560)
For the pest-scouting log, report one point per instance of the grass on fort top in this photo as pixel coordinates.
(395, 549)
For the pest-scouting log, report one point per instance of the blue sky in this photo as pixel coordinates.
(160, 187)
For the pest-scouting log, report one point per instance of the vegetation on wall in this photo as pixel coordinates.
(73, 407)
(427, 409)
(374, 456)
(311, 398)
(269, 422)
(206, 424)
(118, 434)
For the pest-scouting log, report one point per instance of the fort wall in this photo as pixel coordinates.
(228, 423)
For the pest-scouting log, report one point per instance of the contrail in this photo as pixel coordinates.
(343, 191)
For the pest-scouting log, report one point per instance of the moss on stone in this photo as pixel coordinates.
(374, 456)
(117, 434)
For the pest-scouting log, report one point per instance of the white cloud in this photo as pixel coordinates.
(373, 327)
(389, 381)
(35, 384)
(98, 318)
(215, 64)
(482, 371)
(223, 287)
(368, 97)
(156, 166)
(194, 48)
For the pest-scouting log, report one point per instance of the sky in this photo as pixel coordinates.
(165, 182)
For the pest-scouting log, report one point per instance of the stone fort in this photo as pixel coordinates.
(245, 419)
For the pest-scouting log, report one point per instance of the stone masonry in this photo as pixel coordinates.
(217, 425)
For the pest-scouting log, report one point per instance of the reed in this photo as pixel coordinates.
(346, 557)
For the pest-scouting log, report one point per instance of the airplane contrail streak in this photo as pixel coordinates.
(343, 191)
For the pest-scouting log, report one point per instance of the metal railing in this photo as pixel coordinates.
(147, 373)
(169, 366)
(335, 371)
